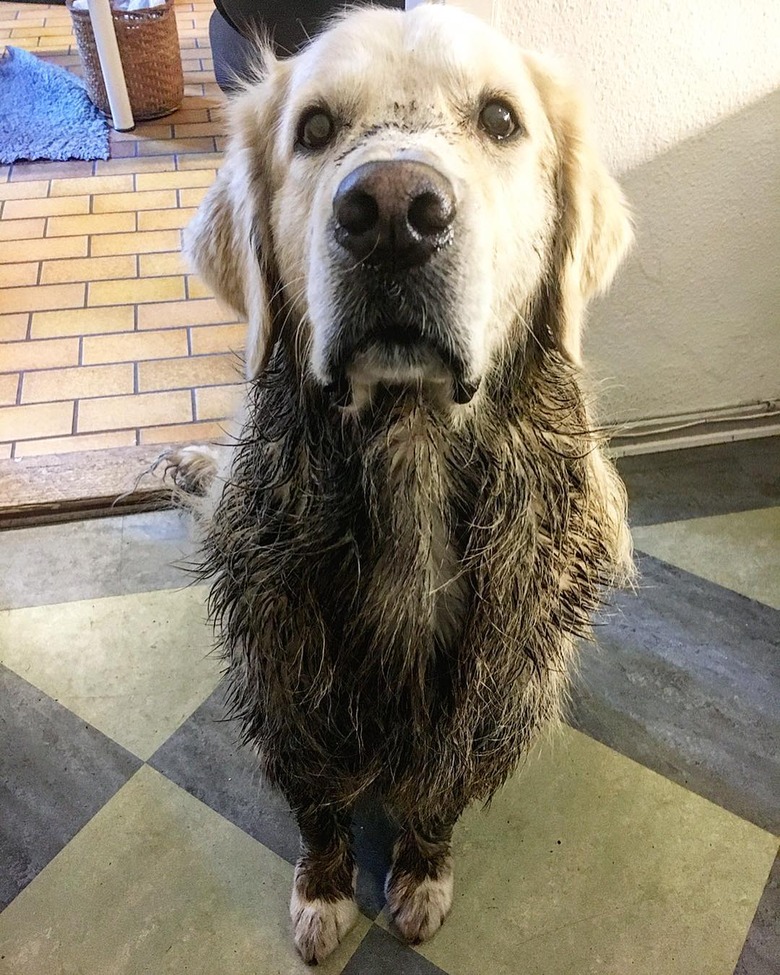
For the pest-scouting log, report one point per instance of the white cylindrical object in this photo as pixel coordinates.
(111, 64)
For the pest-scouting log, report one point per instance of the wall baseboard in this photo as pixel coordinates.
(725, 425)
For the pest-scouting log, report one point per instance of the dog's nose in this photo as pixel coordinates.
(394, 213)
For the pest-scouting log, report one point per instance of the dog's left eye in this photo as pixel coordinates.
(315, 129)
(498, 120)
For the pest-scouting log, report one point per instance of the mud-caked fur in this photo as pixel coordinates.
(327, 590)
(398, 583)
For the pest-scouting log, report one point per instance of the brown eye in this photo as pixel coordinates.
(498, 120)
(315, 130)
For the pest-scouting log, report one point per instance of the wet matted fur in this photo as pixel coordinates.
(400, 571)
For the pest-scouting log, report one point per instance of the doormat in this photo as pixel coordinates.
(45, 113)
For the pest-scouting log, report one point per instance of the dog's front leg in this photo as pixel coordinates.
(322, 906)
(419, 885)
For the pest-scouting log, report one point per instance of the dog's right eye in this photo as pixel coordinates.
(315, 129)
(498, 120)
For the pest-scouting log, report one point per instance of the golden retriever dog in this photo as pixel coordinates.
(417, 519)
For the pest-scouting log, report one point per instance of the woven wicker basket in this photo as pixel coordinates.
(149, 49)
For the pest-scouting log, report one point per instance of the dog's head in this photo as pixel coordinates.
(402, 193)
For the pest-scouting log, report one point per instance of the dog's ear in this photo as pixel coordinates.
(229, 239)
(594, 228)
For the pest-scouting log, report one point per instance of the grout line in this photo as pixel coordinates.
(148, 392)
(124, 362)
(141, 331)
(92, 433)
(136, 395)
(74, 429)
(88, 433)
(19, 389)
(194, 406)
(127, 396)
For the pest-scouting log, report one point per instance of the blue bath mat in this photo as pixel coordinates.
(45, 113)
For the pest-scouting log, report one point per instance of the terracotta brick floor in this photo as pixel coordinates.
(105, 339)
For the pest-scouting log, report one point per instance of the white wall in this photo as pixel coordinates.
(692, 323)
(687, 111)
(657, 71)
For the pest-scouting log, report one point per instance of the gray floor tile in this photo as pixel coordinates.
(93, 558)
(55, 773)
(205, 757)
(711, 480)
(686, 680)
(156, 552)
(381, 954)
(374, 836)
(761, 954)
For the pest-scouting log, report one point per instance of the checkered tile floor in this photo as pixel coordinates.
(136, 836)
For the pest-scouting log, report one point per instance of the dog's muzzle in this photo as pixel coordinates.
(391, 226)
(393, 214)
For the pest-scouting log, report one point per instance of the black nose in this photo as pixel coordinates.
(394, 213)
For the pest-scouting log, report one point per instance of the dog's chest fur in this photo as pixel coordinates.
(415, 497)
(397, 601)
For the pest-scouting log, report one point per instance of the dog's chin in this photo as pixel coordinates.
(398, 363)
(403, 371)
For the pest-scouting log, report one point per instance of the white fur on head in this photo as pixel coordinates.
(228, 240)
(393, 80)
(594, 229)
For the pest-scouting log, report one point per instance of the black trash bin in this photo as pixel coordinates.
(289, 24)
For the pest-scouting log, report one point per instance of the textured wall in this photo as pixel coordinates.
(658, 71)
(692, 323)
(684, 113)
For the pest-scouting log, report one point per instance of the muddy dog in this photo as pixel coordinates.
(417, 519)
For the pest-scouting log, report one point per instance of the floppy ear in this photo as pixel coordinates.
(229, 239)
(594, 228)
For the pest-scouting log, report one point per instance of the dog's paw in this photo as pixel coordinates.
(320, 925)
(419, 906)
(192, 469)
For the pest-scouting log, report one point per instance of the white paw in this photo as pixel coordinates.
(319, 925)
(192, 468)
(420, 907)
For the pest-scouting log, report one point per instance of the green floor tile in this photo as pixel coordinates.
(739, 551)
(589, 864)
(158, 884)
(133, 666)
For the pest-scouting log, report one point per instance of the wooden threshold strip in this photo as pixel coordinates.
(85, 484)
